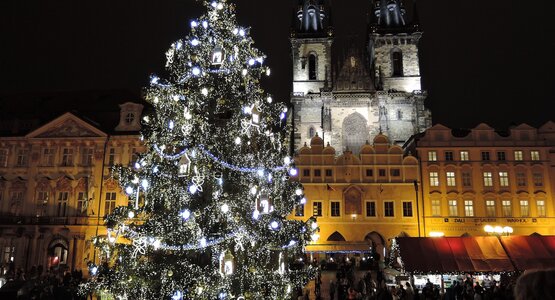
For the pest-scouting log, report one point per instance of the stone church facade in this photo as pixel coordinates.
(367, 92)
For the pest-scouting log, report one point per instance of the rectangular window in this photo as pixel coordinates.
(485, 156)
(112, 156)
(317, 173)
(317, 209)
(335, 208)
(381, 172)
(110, 203)
(453, 210)
(81, 202)
(67, 157)
(16, 196)
(306, 172)
(42, 202)
(299, 210)
(490, 208)
(9, 254)
(395, 172)
(506, 207)
(538, 179)
(407, 209)
(524, 208)
(451, 180)
(388, 209)
(464, 156)
(434, 179)
(466, 179)
(432, 156)
(62, 203)
(521, 179)
(370, 209)
(448, 155)
(48, 157)
(369, 172)
(488, 179)
(436, 208)
(518, 155)
(540, 204)
(87, 156)
(329, 173)
(501, 156)
(469, 208)
(504, 178)
(535, 155)
(3, 158)
(22, 157)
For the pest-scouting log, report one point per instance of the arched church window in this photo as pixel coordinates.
(399, 114)
(312, 67)
(311, 132)
(354, 132)
(397, 61)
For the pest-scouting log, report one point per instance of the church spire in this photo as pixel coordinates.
(388, 15)
(312, 18)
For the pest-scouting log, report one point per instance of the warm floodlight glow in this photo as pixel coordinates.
(436, 234)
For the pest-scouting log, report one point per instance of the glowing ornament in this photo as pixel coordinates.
(264, 203)
(315, 237)
(293, 172)
(226, 263)
(171, 125)
(146, 119)
(274, 225)
(156, 100)
(235, 31)
(178, 295)
(203, 242)
(204, 91)
(314, 225)
(184, 165)
(287, 160)
(255, 214)
(156, 244)
(135, 180)
(238, 140)
(154, 80)
(260, 173)
(175, 98)
(194, 24)
(225, 208)
(194, 42)
(269, 99)
(193, 189)
(298, 192)
(178, 45)
(241, 32)
(204, 24)
(185, 214)
(268, 72)
(218, 56)
(129, 190)
(282, 116)
(251, 62)
(303, 201)
(214, 4)
(145, 184)
(253, 190)
(247, 109)
(93, 270)
(131, 215)
(196, 71)
(244, 72)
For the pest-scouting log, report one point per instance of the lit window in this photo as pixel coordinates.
(538, 179)
(62, 203)
(518, 155)
(490, 208)
(485, 156)
(335, 209)
(448, 155)
(388, 209)
(501, 156)
(521, 179)
(451, 180)
(22, 157)
(524, 208)
(535, 155)
(311, 132)
(81, 202)
(434, 179)
(112, 156)
(469, 208)
(42, 203)
(453, 210)
(488, 179)
(432, 155)
(504, 179)
(407, 209)
(317, 209)
(67, 157)
(466, 179)
(370, 209)
(110, 203)
(436, 208)
(506, 206)
(464, 156)
(540, 204)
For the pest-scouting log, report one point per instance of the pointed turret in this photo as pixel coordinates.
(388, 16)
(312, 19)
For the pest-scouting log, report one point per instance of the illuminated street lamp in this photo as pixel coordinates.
(436, 234)
(498, 230)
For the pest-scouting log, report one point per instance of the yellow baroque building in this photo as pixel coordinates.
(360, 201)
(55, 188)
(480, 177)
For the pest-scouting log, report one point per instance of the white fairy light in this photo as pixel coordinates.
(145, 184)
(298, 192)
(268, 72)
(225, 208)
(194, 42)
(204, 91)
(220, 6)
(255, 214)
(129, 190)
(185, 214)
(253, 190)
(269, 99)
(235, 31)
(303, 200)
(131, 215)
(244, 72)
(196, 71)
(238, 140)
(204, 24)
(251, 61)
(193, 189)
(194, 24)
(314, 225)
(171, 125)
(241, 32)
(274, 225)
(203, 242)
(293, 172)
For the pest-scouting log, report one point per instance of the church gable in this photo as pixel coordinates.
(67, 125)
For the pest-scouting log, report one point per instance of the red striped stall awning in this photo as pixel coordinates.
(530, 252)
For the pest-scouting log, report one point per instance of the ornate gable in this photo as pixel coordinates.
(67, 125)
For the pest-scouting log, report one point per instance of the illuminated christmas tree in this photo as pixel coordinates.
(208, 200)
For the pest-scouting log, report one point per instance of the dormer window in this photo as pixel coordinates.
(129, 118)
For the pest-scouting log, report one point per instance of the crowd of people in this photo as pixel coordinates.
(40, 284)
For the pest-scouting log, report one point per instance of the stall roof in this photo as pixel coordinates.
(454, 254)
(530, 252)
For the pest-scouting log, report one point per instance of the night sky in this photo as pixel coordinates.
(486, 61)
